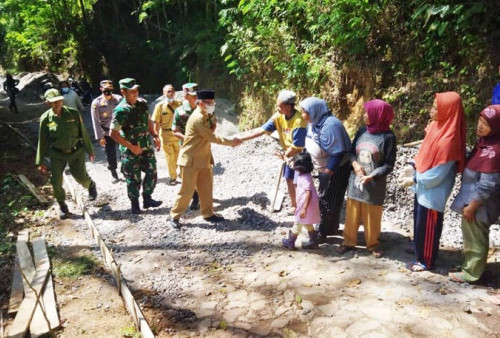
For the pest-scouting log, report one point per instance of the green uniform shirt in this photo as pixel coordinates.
(181, 117)
(132, 122)
(62, 133)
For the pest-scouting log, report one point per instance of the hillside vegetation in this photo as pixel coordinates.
(346, 51)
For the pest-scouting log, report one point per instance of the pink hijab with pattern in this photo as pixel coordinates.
(485, 156)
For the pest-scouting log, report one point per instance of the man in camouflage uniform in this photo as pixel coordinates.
(102, 113)
(163, 116)
(130, 128)
(181, 117)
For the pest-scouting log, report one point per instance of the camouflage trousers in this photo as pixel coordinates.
(132, 166)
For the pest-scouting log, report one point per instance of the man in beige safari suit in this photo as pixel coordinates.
(194, 160)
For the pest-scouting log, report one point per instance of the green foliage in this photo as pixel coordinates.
(42, 33)
(13, 203)
(301, 44)
(130, 332)
(73, 267)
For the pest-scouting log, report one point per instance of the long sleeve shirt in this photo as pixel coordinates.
(483, 188)
(434, 186)
(72, 100)
(61, 133)
(196, 151)
(376, 153)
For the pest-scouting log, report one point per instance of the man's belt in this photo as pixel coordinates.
(166, 129)
(105, 128)
(67, 151)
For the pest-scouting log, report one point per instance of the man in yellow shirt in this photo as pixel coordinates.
(163, 115)
(195, 160)
(292, 131)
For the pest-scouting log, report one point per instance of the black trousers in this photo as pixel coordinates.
(13, 105)
(427, 229)
(331, 192)
(111, 152)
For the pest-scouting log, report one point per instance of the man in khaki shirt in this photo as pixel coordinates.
(195, 160)
(163, 116)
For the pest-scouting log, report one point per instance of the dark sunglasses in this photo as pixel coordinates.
(107, 92)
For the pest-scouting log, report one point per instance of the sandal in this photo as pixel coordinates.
(377, 253)
(457, 277)
(416, 267)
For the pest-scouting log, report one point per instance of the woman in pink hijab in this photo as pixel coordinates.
(373, 155)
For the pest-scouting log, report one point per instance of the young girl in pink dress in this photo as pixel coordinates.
(307, 211)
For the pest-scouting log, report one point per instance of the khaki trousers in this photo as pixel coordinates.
(171, 150)
(370, 215)
(200, 179)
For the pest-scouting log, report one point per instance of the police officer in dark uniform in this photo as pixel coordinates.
(131, 128)
(64, 138)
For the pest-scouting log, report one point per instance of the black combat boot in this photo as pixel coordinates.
(92, 191)
(114, 174)
(148, 202)
(136, 210)
(63, 210)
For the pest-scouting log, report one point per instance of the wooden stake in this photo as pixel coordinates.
(412, 144)
(33, 190)
(273, 206)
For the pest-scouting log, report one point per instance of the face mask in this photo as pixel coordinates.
(170, 100)
(65, 90)
(209, 109)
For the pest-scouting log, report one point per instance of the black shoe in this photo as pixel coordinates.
(195, 202)
(114, 174)
(172, 181)
(136, 210)
(63, 210)
(214, 219)
(174, 223)
(148, 202)
(92, 191)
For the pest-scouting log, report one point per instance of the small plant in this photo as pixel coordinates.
(73, 267)
(130, 332)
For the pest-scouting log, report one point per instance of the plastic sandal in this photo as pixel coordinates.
(457, 277)
(416, 267)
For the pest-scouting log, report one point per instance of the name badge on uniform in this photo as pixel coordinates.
(52, 125)
(71, 120)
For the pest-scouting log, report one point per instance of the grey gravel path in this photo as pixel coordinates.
(235, 279)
